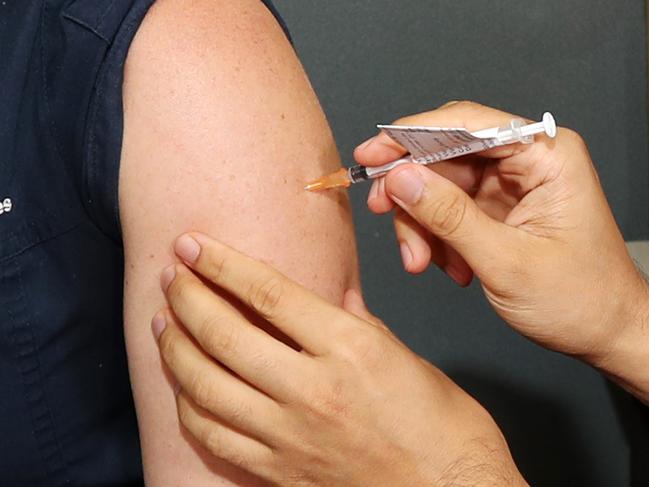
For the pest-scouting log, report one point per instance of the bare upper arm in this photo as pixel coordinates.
(222, 130)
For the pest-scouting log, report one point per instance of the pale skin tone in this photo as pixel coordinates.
(221, 130)
(349, 389)
(531, 222)
(534, 226)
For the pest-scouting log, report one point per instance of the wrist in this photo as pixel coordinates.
(484, 476)
(486, 466)
(625, 358)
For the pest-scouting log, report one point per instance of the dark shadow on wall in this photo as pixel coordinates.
(634, 419)
(539, 429)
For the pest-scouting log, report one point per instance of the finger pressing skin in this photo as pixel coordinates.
(221, 440)
(212, 387)
(292, 308)
(224, 333)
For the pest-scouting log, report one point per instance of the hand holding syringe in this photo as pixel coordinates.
(428, 145)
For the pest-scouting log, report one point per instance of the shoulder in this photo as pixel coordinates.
(201, 78)
(210, 85)
(205, 33)
(196, 65)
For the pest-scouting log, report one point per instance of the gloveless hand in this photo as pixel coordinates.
(532, 222)
(348, 404)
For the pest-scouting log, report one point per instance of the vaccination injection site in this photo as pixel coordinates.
(297, 243)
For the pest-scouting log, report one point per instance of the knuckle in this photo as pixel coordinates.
(212, 439)
(204, 392)
(184, 410)
(328, 401)
(236, 411)
(403, 120)
(216, 443)
(216, 266)
(179, 289)
(201, 390)
(568, 152)
(265, 296)
(270, 467)
(466, 109)
(447, 214)
(237, 459)
(263, 362)
(575, 149)
(466, 105)
(294, 478)
(572, 138)
(168, 349)
(364, 349)
(449, 103)
(175, 291)
(218, 334)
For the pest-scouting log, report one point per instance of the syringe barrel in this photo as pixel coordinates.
(379, 171)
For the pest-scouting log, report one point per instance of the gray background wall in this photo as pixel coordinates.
(372, 61)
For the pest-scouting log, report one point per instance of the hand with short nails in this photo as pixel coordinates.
(533, 224)
(345, 403)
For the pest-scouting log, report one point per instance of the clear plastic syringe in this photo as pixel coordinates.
(515, 132)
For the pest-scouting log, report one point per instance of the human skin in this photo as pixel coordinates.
(532, 222)
(222, 129)
(349, 404)
(534, 226)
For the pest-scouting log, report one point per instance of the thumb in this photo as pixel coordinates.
(450, 214)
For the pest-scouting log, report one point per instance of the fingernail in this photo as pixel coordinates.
(407, 186)
(450, 104)
(382, 187)
(374, 191)
(406, 255)
(168, 275)
(366, 144)
(158, 324)
(187, 249)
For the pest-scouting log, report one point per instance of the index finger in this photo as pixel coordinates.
(472, 116)
(311, 321)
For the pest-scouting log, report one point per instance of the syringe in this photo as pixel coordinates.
(515, 132)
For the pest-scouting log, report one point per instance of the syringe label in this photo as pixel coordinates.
(432, 144)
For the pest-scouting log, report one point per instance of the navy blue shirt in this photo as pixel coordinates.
(66, 411)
